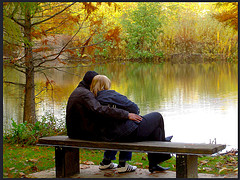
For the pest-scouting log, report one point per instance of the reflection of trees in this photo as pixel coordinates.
(151, 86)
(12, 97)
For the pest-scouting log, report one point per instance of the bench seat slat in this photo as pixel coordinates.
(144, 146)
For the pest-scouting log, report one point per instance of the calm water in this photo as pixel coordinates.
(198, 101)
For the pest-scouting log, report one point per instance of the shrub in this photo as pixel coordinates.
(29, 134)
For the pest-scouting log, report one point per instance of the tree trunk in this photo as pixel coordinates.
(29, 114)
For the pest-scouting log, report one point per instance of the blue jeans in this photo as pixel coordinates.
(123, 155)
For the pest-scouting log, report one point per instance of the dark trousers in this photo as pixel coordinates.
(123, 155)
(151, 128)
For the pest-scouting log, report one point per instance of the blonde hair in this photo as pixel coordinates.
(99, 83)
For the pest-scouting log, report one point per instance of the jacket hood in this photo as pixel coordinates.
(87, 79)
(83, 84)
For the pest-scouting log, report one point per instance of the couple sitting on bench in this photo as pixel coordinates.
(96, 113)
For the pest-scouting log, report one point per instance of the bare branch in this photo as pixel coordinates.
(53, 15)
(17, 67)
(64, 45)
(40, 91)
(9, 82)
(17, 22)
(12, 43)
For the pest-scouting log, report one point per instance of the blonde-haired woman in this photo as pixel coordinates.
(99, 83)
(150, 127)
(100, 88)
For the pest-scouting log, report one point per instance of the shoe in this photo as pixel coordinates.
(158, 168)
(108, 166)
(126, 168)
(169, 138)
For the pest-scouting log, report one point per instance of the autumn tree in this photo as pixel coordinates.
(31, 32)
(228, 14)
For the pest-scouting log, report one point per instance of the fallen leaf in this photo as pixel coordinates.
(235, 170)
(84, 166)
(109, 174)
(21, 174)
(204, 162)
(5, 174)
(207, 168)
(34, 168)
(144, 158)
(232, 159)
(88, 162)
(11, 168)
(33, 160)
(138, 163)
(221, 170)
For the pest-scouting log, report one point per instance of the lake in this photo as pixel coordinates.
(199, 102)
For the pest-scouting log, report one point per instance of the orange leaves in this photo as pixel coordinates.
(88, 162)
(230, 15)
(113, 34)
(36, 34)
(70, 51)
(97, 22)
(60, 61)
(49, 82)
(13, 60)
(89, 7)
(44, 41)
(75, 18)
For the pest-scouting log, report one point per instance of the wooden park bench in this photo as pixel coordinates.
(67, 153)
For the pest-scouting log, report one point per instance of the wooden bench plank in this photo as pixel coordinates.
(144, 146)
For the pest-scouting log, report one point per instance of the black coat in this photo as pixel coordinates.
(87, 119)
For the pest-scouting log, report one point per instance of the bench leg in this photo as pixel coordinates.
(66, 161)
(186, 166)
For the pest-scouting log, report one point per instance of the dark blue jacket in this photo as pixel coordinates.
(111, 97)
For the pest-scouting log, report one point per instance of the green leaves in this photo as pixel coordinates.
(28, 134)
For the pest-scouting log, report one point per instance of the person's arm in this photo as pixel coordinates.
(92, 104)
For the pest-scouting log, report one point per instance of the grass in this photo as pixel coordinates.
(20, 160)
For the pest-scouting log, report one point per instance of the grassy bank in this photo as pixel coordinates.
(21, 160)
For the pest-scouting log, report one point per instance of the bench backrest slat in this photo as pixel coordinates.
(144, 146)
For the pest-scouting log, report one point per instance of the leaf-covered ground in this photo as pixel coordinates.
(19, 161)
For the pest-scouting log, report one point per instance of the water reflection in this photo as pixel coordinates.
(198, 101)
